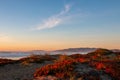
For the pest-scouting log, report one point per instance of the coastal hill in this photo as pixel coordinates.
(101, 64)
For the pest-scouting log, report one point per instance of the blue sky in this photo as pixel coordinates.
(58, 24)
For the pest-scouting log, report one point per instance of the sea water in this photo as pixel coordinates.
(13, 55)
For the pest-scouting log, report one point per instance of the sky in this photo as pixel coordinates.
(59, 24)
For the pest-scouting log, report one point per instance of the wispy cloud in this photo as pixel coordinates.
(5, 38)
(54, 20)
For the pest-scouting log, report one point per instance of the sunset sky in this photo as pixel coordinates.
(59, 24)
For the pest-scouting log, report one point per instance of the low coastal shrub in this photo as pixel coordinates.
(110, 67)
(36, 59)
(7, 61)
(61, 69)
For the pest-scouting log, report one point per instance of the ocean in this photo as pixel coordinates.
(13, 55)
(18, 55)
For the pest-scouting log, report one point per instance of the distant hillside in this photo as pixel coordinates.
(77, 50)
(116, 50)
(69, 50)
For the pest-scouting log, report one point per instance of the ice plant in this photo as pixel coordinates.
(61, 69)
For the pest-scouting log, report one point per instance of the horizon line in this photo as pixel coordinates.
(55, 49)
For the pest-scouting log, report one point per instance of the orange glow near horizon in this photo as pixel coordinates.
(50, 47)
(55, 44)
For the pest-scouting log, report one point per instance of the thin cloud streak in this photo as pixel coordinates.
(54, 20)
(5, 38)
